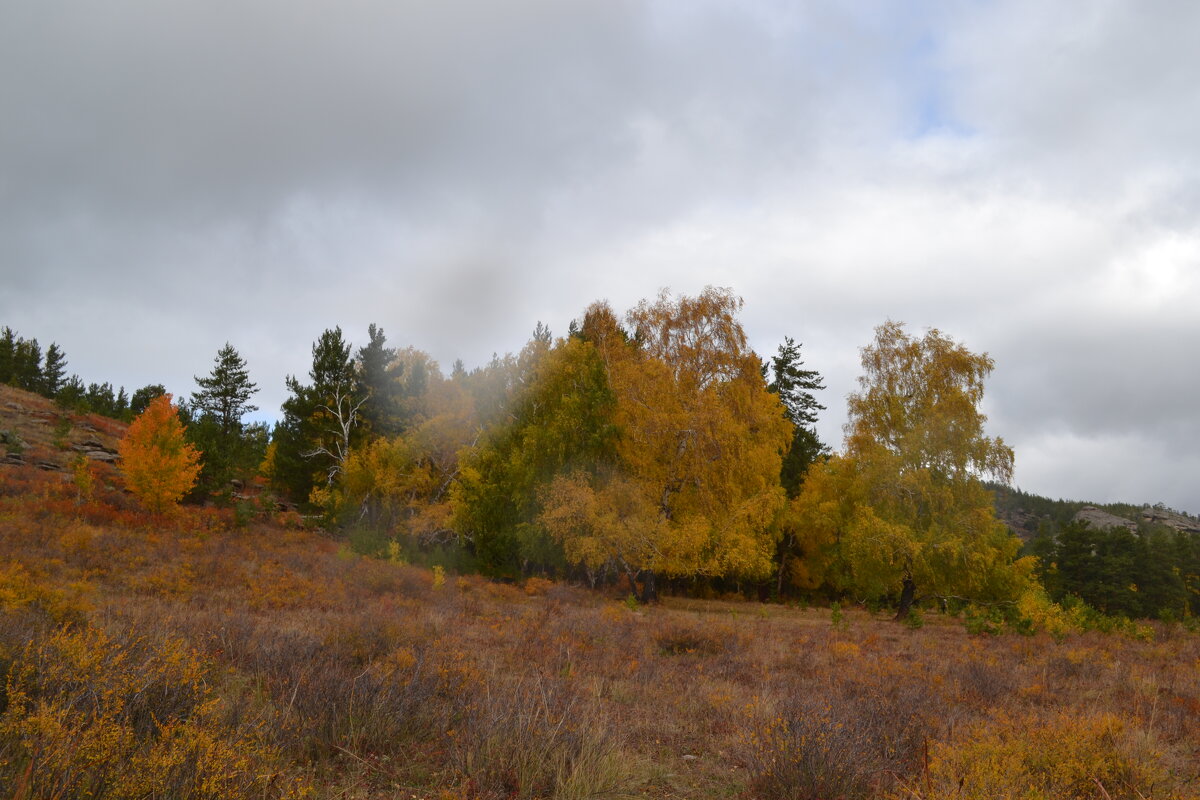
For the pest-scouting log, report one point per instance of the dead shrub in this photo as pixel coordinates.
(695, 638)
(850, 743)
(531, 737)
(983, 682)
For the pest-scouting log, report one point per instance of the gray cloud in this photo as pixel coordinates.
(1021, 175)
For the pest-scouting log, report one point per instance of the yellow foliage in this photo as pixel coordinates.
(537, 587)
(845, 650)
(274, 586)
(696, 486)
(90, 716)
(81, 474)
(1067, 756)
(19, 589)
(1044, 614)
(404, 483)
(906, 504)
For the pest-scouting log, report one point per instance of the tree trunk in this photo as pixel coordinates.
(783, 557)
(908, 593)
(631, 575)
(649, 592)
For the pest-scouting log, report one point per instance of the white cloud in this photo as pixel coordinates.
(1021, 175)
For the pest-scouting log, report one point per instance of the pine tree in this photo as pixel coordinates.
(72, 395)
(54, 370)
(377, 374)
(216, 428)
(27, 365)
(8, 354)
(121, 404)
(143, 396)
(100, 398)
(225, 394)
(313, 436)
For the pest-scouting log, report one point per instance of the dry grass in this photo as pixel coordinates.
(208, 660)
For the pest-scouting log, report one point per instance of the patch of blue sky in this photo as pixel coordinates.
(925, 86)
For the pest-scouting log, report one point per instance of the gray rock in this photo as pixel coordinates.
(1172, 519)
(1102, 519)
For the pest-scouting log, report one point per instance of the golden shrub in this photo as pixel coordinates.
(1068, 755)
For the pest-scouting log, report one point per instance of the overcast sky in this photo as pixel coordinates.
(1021, 175)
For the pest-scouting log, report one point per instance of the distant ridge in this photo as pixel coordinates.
(1024, 513)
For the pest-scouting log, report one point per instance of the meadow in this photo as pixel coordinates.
(217, 654)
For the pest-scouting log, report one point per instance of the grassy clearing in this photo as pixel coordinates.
(187, 657)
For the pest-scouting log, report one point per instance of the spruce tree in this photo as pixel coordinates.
(795, 386)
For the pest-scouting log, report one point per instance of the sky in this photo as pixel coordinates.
(1023, 176)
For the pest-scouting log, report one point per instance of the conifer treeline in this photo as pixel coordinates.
(22, 364)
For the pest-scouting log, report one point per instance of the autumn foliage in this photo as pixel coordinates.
(293, 668)
(159, 466)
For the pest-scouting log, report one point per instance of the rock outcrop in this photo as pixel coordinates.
(1102, 519)
(95, 450)
(1171, 519)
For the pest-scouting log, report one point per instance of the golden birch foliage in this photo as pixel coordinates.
(913, 509)
(920, 403)
(159, 465)
(814, 520)
(597, 523)
(697, 482)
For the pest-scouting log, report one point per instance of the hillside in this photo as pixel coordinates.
(1024, 513)
(193, 656)
(39, 433)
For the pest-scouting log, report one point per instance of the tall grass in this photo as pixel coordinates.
(194, 657)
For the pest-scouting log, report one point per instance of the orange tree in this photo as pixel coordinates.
(158, 464)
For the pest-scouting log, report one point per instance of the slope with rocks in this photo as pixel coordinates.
(36, 432)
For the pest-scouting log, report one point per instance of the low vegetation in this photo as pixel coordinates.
(190, 656)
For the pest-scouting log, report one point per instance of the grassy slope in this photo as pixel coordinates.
(268, 661)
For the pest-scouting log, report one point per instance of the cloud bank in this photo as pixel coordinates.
(1020, 175)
